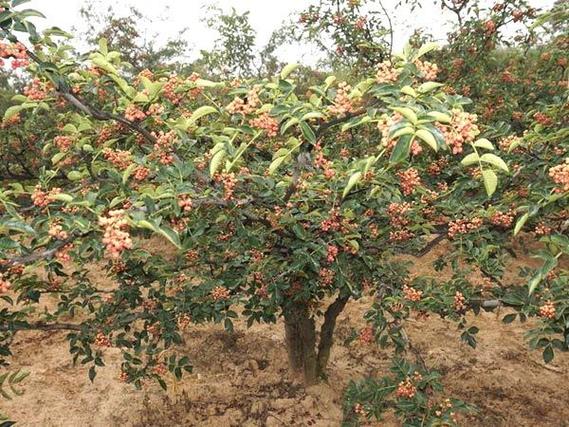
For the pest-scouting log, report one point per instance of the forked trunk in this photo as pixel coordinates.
(300, 331)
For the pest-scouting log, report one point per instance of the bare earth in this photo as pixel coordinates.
(242, 379)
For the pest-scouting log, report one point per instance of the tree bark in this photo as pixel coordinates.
(300, 332)
(327, 331)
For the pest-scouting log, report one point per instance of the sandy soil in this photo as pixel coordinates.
(242, 379)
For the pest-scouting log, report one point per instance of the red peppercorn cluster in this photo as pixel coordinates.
(462, 130)
(542, 119)
(141, 173)
(542, 230)
(219, 293)
(101, 340)
(266, 123)
(463, 226)
(427, 70)
(342, 103)
(332, 253)
(333, 222)
(560, 176)
(406, 389)
(36, 90)
(366, 335)
(409, 180)
(229, 182)
(134, 114)
(459, 302)
(503, 219)
(116, 237)
(57, 232)
(62, 254)
(122, 159)
(5, 284)
(63, 143)
(42, 199)
(17, 52)
(185, 202)
(386, 73)
(240, 106)
(412, 294)
(326, 277)
(547, 310)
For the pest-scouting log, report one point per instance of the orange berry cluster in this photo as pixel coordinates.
(342, 103)
(5, 284)
(116, 237)
(326, 276)
(462, 130)
(63, 143)
(220, 293)
(267, 123)
(560, 176)
(463, 226)
(41, 198)
(412, 294)
(428, 70)
(547, 310)
(409, 180)
(122, 159)
(134, 114)
(101, 340)
(17, 52)
(56, 231)
(240, 106)
(386, 73)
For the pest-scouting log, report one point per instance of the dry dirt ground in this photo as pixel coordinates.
(242, 379)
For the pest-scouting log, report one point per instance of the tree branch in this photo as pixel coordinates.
(327, 330)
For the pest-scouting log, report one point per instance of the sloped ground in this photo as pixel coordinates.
(242, 379)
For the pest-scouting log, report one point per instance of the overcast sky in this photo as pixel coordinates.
(265, 16)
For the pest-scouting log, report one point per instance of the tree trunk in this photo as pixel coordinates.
(300, 334)
(300, 331)
(327, 332)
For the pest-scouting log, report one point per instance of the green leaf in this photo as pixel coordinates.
(312, 115)
(63, 197)
(354, 179)
(92, 373)
(216, 162)
(520, 223)
(548, 354)
(429, 86)
(426, 48)
(356, 122)
(201, 112)
(288, 70)
(470, 159)
(408, 90)
(401, 149)
(440, 117)
(484, 143)
(308, 132)
(428, 137)
(495, 161)
(403, 131)
(490, 181)
(406, 112)
(171, 235)
(12, 111)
